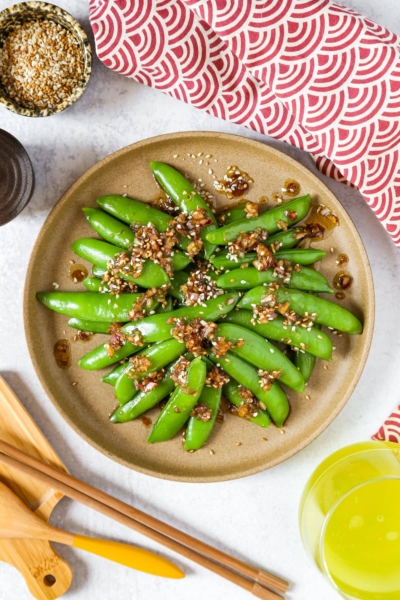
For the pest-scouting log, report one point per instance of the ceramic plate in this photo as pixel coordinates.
(87, 405)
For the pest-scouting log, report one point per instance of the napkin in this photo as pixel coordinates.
(312, 73)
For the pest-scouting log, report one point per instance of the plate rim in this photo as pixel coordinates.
(245, 472)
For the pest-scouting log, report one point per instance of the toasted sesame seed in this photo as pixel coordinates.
(325, 367)
(264, 439)
(211, 452)
(74, 383)
(175, 155)
(282, 431)
(307, 397)
(56, 285)
(238, 444)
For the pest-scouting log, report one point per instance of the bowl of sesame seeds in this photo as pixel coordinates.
(45, 59)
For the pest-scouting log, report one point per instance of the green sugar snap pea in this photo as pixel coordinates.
(132, 211)
(231, 391)
(274, 399)
(314, 341)
(91, 306)
(159, 354)
(94, 284)
(262, 354)
(186, 197)
(143, 401)
(269, 220)
(156, 329)
(301, 278)
(110, 229)
(305, 362)
(177, 410)
(100, 253)
(322, 311)
(287, 239)
(112, 376)
(198, 431)
(299, 256)
(90, 326)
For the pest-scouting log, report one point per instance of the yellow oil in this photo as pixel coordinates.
(356, 542)
(361, 545)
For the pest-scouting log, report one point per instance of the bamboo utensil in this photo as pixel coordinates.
(17, 521)
(247, 577)
(46, 573)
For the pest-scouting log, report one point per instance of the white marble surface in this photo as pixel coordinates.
(116, 112)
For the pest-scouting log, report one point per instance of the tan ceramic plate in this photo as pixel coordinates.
(87, 405)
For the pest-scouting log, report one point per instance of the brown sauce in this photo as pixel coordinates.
(342, 280)
(291, 188)
(146, 421)
(77, 273)
(163, 202)
(62, 353)
(322, 216)
(82, 336)
(340, 295)
(277, 197)
(342, 259)
(235, 182)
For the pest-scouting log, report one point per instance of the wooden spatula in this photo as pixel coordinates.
(17, 521)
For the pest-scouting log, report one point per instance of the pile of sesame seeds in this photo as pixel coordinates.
(41, 64)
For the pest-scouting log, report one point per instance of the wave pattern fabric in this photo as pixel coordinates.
(390, 430)
(310, 72)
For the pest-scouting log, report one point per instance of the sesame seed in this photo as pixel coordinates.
(211, 452)
(282, 431)
(325, 367)
(175, 155)
(56, 285)
(238, 444)
(307, 397)
(74, 383)
(264, 439)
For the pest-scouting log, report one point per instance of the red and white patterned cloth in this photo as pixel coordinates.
(310, 72)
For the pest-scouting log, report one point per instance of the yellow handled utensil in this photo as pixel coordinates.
(17, 521)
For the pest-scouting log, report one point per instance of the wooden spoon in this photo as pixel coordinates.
(17, 521)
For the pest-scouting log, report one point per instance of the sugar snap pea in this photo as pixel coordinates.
(177, 410)
(301, 278)
(305, 362)
(91, 326)
(231, 215)
(274, 399)
(262, 354)
(94, 284)
(98, 271)
(322, 311)
(269, 220)
(299, 256)
(198, 431)
(231, 391)
(112, 376)
(156, 328)
(91, 306)
(287, 239)
(110, 229)
(186, 197)
(133, 211)
(100, 253)
(143, 401)
(159, 354)
(314, 341)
